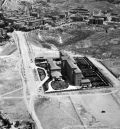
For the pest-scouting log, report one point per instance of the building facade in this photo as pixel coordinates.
(70, 70)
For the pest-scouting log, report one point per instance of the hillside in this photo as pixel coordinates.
(14, 4)
(62, 4)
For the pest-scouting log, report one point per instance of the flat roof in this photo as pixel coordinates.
(56, 74)
(77, 70)
(72, 65)
(36, 20)
(52, 64)
(85, 81)
(65, 56)
(21, 18)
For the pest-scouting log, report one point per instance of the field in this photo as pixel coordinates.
(91, 111)
(11, 101)
(54, 114)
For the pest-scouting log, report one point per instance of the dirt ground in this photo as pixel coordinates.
(93, 111)
(113, 65)
(54, 114)
(15, 109)
(10, 80)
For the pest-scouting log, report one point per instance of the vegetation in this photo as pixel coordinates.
(58, 85)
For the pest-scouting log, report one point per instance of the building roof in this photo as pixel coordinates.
(62, 53)
(100, 16)
(84, 81)
(56, 74)
(22, 18)
(77, 70)
(52, 64)
(96, 19)
(35, 20)
(71, 64)
(65, 56)
(20, 23)
(80, 9)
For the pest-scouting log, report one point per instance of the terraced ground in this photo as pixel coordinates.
(103, 37)
(68, 37)
(87, 42)
(101, 45)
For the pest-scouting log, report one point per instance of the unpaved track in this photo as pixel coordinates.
(28, 78)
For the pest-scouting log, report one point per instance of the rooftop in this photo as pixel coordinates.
(52, 64)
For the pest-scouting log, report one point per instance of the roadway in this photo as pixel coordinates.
(29, 83)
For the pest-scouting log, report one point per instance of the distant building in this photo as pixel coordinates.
(22, 18)
(114, 14)
(115, 19)
(79, 10)
(99, 17)
(75, 18)
(34, 14)
(96, 21)
(61, 16)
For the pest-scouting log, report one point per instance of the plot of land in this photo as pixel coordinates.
(12, 103)
(97, 111)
